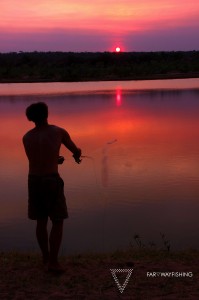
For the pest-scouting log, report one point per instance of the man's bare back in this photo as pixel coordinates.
(42, 145)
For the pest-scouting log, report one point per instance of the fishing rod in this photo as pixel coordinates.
(77, 158)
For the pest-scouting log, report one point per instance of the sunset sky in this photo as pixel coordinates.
(99, 25)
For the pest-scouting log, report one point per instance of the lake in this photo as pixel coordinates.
(140, 175)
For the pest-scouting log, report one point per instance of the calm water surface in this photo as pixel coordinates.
(141, 175)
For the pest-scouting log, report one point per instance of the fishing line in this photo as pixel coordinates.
(105, 183)
(104, 180)
(102, 194)
(94, 167)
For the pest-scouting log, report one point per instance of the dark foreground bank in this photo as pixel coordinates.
(155, 275)
(89, 66)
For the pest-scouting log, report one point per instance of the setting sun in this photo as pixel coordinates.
(117, 49)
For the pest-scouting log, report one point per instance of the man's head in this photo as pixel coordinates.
(37, 112)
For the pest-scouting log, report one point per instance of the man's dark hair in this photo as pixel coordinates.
(37, 112)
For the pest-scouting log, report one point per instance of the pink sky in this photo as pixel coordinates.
(99, 25)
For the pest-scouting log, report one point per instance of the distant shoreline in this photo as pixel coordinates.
(30, 67)
(151, 77)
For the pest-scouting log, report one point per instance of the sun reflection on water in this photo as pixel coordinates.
(118, 97)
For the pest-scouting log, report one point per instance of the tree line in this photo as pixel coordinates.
(90, 66)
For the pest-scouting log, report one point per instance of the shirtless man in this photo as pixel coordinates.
(45, 186)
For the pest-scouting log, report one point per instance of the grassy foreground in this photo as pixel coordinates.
(88, 276)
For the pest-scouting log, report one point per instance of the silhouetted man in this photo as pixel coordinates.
(45, 186)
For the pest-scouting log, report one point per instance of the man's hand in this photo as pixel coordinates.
(77, 155)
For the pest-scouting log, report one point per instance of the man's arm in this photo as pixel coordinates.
(70, 145)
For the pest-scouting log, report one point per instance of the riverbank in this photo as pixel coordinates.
(88, 276)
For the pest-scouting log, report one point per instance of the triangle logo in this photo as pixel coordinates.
(120, 286)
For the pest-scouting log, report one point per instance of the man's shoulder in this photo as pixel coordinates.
(54, 127)
(28, 134)
(57, 128)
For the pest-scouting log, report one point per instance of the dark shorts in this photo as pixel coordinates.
(46, 197)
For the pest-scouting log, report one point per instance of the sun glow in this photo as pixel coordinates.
(117, 49)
